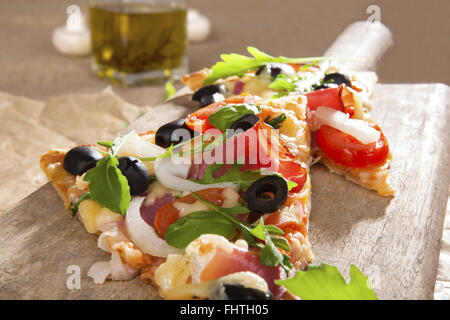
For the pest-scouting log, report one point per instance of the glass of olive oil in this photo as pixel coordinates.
(138, 41)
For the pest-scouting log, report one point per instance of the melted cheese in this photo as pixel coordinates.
(213, 289)
(230, 198)
(155, 191)
(186, 208)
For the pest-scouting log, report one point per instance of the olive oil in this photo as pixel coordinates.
(133, 41)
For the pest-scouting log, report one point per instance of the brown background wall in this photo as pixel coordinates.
(30, 66)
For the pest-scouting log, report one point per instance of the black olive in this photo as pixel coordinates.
(246, 122)
(337, 79)
(257, 199)
(274, 69)
(205, 95)
(167, 134)
(136, 173)
(322, 86)
(80, 159)
(239, 292)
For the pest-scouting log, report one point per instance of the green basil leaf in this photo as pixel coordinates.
(108, 185)
(188, 228)
(224, 117)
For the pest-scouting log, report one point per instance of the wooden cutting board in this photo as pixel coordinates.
(394, 240)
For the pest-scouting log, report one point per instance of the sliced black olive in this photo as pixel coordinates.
(239, 292)
(168, 133)
(267, 194)
(136, 173)
(322, 86)
(205, 95)
(274, 69)
(246, 122)
(337, 78)
(80, 159)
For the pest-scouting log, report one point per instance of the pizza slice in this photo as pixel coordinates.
(345, 138)
(215, 205)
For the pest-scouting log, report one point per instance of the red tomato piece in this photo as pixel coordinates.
(330, 97)
(344, 149)
(272, 155)
(168, 214)
(198, 121)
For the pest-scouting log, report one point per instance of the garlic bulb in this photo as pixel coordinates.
(74, 38)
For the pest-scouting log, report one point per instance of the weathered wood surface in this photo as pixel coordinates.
(396, 241)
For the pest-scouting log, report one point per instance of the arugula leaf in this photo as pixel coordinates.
(234, 174)
(270, 255)
(325, 282)
(107, 144)
(224, 212)
(108, 185)
(190, 227)
(277, 121)
(281, 243)
(236, 64)
(261, 232)
(283, 83)
(170, 90)
(224, 117)
(74, 205)
(168, 153)
(260, 229)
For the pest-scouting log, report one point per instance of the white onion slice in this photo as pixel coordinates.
(142, 234)
(359, 129)
(138, 147)
(173, 176)
(119, 269)
(100, 271)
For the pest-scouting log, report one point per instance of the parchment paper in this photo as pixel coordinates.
(30, 128)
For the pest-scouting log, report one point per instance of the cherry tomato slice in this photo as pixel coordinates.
(291, 220)
(198, 121)
(272, 155)
(344, 149)
(168, 214)
(330, 97)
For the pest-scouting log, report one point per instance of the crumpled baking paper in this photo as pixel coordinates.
(30, 128)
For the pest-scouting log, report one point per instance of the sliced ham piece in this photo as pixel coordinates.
(224, 263)
(213, 256)
(148, 212)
